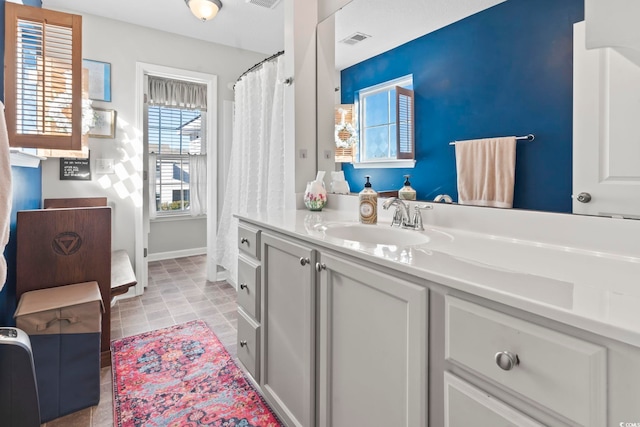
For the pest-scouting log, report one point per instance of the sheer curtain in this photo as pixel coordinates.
(198, 184)
(256, 169)
(153, 213)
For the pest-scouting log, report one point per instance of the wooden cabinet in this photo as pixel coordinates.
(288, 329)
(372, 347)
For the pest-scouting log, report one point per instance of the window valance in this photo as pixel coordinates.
(175, 93)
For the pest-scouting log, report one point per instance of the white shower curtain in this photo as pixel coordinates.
(256, 169)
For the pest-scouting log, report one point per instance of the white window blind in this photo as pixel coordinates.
(44, 78)
(174, 136)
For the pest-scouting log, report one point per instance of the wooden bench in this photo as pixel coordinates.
(122, 275)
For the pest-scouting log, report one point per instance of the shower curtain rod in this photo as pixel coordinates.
(274, 56)
(529, 137)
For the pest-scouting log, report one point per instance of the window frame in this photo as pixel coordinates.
(44, 17)
(402, 159)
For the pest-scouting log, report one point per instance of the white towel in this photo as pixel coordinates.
(486, 171)
(6, 190)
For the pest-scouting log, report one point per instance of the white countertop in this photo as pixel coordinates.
(595, 291)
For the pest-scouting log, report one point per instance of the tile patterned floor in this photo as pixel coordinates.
(177, 292)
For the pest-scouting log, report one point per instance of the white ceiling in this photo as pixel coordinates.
(391, 23)
(239, 24)
(247, 26)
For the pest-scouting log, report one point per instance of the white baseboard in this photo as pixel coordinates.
(176, 254)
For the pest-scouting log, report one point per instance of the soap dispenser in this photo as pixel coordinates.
(368, 204)
(407, 192)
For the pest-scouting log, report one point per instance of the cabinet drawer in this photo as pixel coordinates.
(466, 405)
(249, 240)
(249, 286)
(557, 371)
(248, 344)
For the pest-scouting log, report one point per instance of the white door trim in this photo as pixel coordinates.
(211, 80)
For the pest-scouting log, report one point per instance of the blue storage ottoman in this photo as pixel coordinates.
(63, 324)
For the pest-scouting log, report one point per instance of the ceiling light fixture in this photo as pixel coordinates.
(204, 10)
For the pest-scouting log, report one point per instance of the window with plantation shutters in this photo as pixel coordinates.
(386, 122)
(43, 78)
(404, 123)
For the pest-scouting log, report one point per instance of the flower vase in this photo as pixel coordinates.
(315, 196)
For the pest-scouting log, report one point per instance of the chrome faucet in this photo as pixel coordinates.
(402, 217)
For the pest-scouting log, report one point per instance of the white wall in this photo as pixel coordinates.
(176, 238)
(123, 45)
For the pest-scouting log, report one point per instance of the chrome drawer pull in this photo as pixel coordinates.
(304, 261)
(243, 286)
(243, 343)
(506, 360)
(320, 267)
(244, 240)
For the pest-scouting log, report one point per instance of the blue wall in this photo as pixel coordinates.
(505, 71)
(27, 194)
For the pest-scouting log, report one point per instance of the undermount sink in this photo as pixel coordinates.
(375, 234)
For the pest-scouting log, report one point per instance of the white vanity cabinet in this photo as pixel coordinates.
(561, 373)
(372, 351)
(248, 341)
(288, 329)
(341, 343)
(349, 338)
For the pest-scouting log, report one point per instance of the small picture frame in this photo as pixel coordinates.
(99, 79)
(104, 124)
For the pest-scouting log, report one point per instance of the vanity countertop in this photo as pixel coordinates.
(595, 291)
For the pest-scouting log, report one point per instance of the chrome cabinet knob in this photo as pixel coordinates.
(320, 267)
(244, 240)
(243, 286)
(304, 261)
(507, 360)
(243, 343)
(584, 197)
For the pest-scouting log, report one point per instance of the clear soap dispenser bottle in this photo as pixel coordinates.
(368, 204)
(407, 192)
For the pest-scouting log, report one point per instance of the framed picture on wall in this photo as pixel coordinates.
(99, 79)
(104, 124)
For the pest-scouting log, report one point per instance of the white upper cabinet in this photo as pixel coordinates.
(612, 23)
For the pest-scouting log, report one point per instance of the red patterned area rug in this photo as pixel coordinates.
(182, 376)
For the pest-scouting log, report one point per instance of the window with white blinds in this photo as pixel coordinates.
(43, 92)
(174, 134)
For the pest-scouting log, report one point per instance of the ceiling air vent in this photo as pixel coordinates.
(355, 38)
(269, 4)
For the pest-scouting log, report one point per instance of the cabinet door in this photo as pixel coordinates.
(288, 329)
(372, 348)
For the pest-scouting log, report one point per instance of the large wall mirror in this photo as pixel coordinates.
(492, 68)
